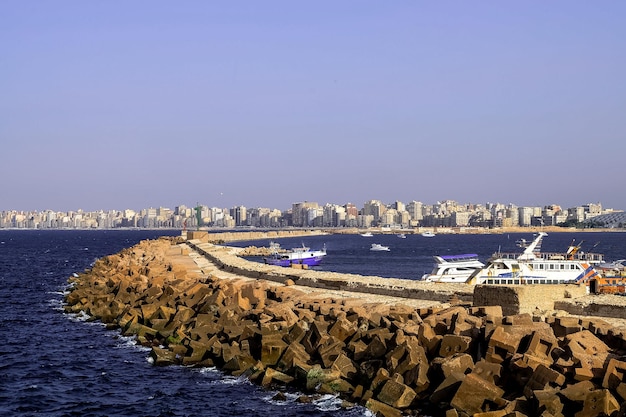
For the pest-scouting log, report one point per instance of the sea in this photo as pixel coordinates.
(58, 364)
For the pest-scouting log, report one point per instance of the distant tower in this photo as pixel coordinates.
(198, 209)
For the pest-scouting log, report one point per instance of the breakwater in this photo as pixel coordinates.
(393, 358)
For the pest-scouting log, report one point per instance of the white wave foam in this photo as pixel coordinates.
(328, 402)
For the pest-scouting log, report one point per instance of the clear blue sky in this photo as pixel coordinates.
(115, 104)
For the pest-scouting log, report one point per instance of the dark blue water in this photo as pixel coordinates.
(53, 364)
(412, 257)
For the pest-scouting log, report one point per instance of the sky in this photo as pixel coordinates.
(113, 105)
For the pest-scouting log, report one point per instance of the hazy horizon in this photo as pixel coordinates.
(264, 104)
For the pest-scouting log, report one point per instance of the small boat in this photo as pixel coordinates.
(428, 234)
(296, 256)
(453, 268)
(401, 235)
(379, 247)
(367, 234)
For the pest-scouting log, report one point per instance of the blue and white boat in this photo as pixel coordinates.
(296, 256)
(454, 268)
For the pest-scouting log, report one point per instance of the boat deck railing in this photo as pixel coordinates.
(555, 256)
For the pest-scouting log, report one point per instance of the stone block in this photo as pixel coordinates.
(452, 344)
(336, 386)
(297, 332)
(488, 371)
(393, 358)
(381, 376)
(473, 393)
(343, 329)
(318, 375)
(239, 364)
(577, 392)
(446, 390)
(583, 373)
(272, 348)
(543, 378)
(330, 351)
(483, 311)
(599, 403)
(376, 348)
(566, 325)
(458, 363)
(345, 366)
(548, 402)
(163, 357)
(396, 394)
(442, 320)
(294, 353)
(379, 408)
(415, 367)
(615, 377)
(271, 375)
(282, 312)
(588, 351)
(429, 339)
(198, 352)
(503, 343)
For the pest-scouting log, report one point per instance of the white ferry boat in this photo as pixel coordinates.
(454, 268)
(535, 267)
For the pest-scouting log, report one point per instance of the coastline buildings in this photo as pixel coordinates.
(374, 213)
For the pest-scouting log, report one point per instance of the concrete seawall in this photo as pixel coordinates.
(515, 299)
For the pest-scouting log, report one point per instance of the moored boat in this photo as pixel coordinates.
(454, 268)
(428, 234)
(296, 256)
(535, 267)
(367, 234)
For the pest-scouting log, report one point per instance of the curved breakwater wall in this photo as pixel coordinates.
(392, 358)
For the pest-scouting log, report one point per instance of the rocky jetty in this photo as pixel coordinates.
(395, 359)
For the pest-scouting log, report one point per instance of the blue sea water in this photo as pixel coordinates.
(412, 257)
(55, 364)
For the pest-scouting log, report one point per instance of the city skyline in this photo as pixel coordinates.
(107, 105)
(373, 213)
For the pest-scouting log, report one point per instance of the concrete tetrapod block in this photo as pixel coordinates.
(396, 394)
(474, 393)
(615, 377)
(381, 409)
(599, 403)
(272, 348)
(452, 344)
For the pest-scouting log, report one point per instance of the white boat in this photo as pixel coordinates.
(428, 234)
(535, 267)
(454, 268)
(367, 234)
(379, 247)
(401, 235)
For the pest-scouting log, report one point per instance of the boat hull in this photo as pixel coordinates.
(310, 261)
